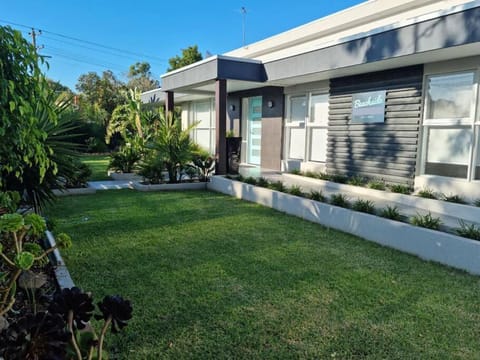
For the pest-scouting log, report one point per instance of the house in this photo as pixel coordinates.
(387, 89)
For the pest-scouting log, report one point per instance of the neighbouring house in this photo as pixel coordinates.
(387, 89)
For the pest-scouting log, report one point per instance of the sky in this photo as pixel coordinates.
(98, 35)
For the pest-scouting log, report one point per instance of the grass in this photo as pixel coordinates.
(210, 276)
(99, 166)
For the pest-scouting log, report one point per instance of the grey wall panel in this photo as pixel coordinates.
(382, 150)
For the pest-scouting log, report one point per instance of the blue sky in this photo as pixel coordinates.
(152, 31)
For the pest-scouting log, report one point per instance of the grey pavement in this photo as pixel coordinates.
(110, 184)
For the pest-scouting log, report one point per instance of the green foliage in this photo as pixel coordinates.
(376, 184)
(63, 241)
(140, 77)
(204, 163)
(401, 189)
(312, 174)
(391, 212)
(250, 180)
(477, 202)
(173, 145)
(126, 159)
(277, 186)
(11, 222)
(339, 200)
(426, 221)
(457, 199)
(189, 56)
(261, 181)
(356, 181)
(36, 224)
(152, 168)
(24, 260)
(317, 196)
(295, 172)
(470, 231)
(9, 201)
(427, 193)
(295, 190)
(365, 206)
(338, 178)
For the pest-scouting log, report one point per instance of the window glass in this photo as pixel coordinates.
(450, 96)
(319, 109)
(318, 143)
(202, 114)
(448, 151)
(203, 139)
(297, 143)
(298, 108)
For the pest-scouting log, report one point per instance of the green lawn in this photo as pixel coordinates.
(99, 166)
(214, 277)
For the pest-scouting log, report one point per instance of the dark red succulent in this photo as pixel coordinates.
(74, 301)
(117, 309)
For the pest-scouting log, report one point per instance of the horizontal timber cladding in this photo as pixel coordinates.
(385, 150)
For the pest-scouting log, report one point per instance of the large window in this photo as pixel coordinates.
(448, 127)
(306, 127)
(202, 113)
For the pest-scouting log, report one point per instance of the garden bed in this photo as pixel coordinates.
(75, 191)
(165, 187)
(428, 244)
(124, 176)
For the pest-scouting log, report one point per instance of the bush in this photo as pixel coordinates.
(204, 163)
(338, 178)
(339, 200)
(427, 193)
(261, 181)
(152, 169)
(376, 185)
(295, 190)
(277, 185)
(365, 206)
(457, 199)
(250, 180)
(356, 181)
(317, 196)
(401, 189)
(125, 160)
(80, 177)
(391, 212)
(426, 221)
(470, 231)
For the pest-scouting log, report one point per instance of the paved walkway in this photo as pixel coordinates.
(449, 221)
(110, 184)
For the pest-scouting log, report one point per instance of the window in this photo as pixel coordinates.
(448, 135)
(203, 114)
(306, 127)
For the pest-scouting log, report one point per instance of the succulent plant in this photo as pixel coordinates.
(24, 260)
(39, 336)
(36, 224)
(76, 302)
(117, 309)
(11, 222)
(63, 241)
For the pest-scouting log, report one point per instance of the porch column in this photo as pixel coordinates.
(221, 126)
(169, 104)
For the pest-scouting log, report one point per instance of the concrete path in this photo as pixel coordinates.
(110, 184)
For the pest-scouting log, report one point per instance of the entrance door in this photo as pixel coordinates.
(254, 130)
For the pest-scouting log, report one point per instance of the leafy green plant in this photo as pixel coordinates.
(277, 185)
(338, 178)
(427, 193)
(391, 212)
(470, 231)
(261, 181)
(317, 196)
(356, 181)
(17, 230)
(339, 200)
(295, 190)
(376, 184)
(125, 160)
(205, 164)
(81, 175)
(426, 221)
(457, 199)
(400, 189)
(151, 169)
(365, 206)
(250, 180)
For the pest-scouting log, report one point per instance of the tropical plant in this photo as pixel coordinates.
(250, 180)
(391, 212)
(339, 200)
(427, 193)
(126, 159)
(426, 221)
(173, 145)
(152, 168)
(400, 189)
(317, 196)
(204, 163)
(277, 186)
(376, 184)
(356, 181)
(470, 231)
(365, 206)
(295, 190)
(263, 182)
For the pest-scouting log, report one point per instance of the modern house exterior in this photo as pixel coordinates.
(387, 89)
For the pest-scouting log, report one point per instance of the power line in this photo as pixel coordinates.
(88, 42)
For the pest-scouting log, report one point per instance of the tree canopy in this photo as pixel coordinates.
(140, 77)
(189, 56)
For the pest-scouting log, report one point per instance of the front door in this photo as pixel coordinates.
(254, 130)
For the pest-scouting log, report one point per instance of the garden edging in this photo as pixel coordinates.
(62, 274)
(466, 212)
(74, 191)
(164, 187)
(427, 244)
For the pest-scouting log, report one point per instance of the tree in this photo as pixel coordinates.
(140, 77)
(24, 92)
(189, 56)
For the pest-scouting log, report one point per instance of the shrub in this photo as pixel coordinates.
(401, 189)
(80, 176)
(152, 169)
(204, 164)
(338, 178)
(391, 212)
(250, 180)
(376, 184)
(295, 190)
(365, 206)
(427, 193)
(339, 200)
(261, 181)
(356, 181)
(470, 231)
(277, 185)
(125, 160)
(426, 221)
(457, 199)
(317, 196)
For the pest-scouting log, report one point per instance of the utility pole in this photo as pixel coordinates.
(243, 10)
(34, 35)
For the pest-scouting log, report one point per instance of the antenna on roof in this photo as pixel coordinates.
(243, 10)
